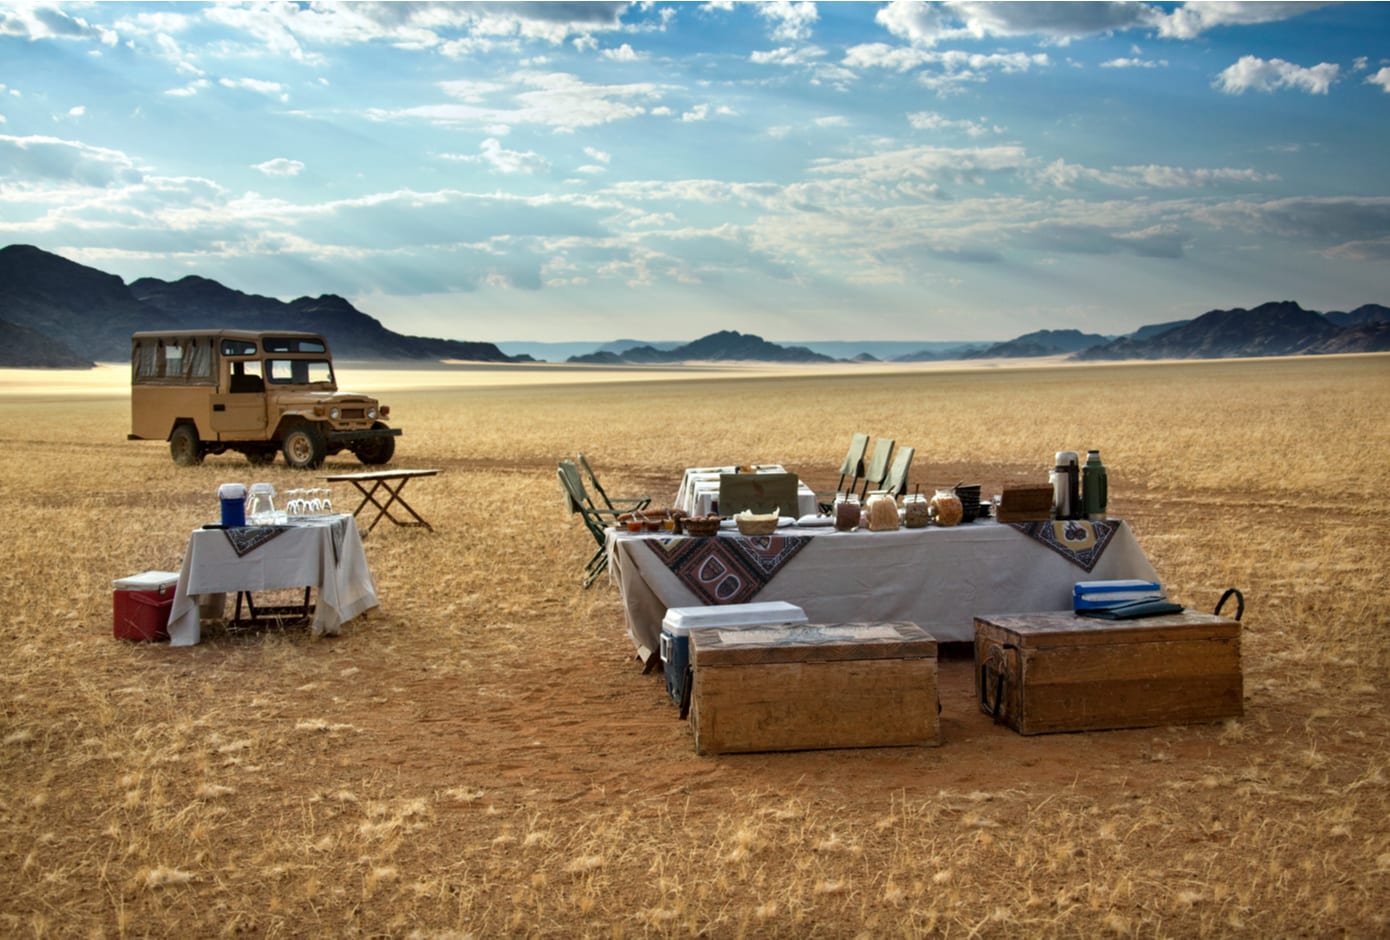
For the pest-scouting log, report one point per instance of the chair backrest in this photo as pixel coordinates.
(593, 481)
(757, 492)
(896, 483)
(854, 460)
(878, 464)
(571, 486)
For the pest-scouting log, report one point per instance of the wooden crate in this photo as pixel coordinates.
(794, 687)
(1064, 672)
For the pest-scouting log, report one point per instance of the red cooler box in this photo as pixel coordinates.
(141, 605)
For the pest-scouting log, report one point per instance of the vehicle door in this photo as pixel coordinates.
(239, 405)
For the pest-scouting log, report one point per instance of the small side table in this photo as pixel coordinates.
(393, 482)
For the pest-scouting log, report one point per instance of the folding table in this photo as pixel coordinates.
(393, 482)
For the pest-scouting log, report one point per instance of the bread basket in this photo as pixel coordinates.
(756, 523)
(702, 526)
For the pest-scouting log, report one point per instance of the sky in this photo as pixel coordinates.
(659, 171)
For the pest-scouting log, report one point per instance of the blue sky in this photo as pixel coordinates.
(803, 171)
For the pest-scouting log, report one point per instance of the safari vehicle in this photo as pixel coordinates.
(211, 391)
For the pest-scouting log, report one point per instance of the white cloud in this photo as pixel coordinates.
(26, 159)
(555, 99)
(1134, 63)
(280, 166)
(1192, 19)
(599, 156)
(1381, 78)
(1063, 175)
(623, 53)
(927, 162)
(929, 24)
(37, 21)
(493, 154)
(791, 22)
(931, 121)
(189, 90)
(77, 111)
(1251, 73)
(788, 56)
(260, 87)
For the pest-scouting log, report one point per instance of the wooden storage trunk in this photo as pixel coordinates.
(802, 686)
(1057, 671)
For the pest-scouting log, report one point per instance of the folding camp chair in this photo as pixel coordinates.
(757, 492)
(853, 467)
(878, 466)
(625, 504)
(595, 520)
(896, 482)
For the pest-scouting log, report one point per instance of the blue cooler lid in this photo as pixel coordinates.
(681, 620)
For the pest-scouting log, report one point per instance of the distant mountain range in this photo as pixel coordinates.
(56, 313)
(73, 315)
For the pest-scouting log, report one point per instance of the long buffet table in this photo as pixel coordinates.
(938, 578)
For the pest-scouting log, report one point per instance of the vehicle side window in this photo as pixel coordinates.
(245, 378)
(200, 359)
(172, 354)
(146, 362)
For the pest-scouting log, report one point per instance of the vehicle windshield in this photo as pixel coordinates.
(299, 371)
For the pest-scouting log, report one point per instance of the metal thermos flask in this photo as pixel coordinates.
(1066, 485)
(1094, 486)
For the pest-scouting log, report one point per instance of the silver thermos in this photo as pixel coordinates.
(1066, 485)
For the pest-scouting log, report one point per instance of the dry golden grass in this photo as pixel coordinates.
(482, 756)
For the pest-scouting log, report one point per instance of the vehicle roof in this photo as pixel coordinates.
(229, 334)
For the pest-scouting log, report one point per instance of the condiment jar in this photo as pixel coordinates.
(846, 512)
(946, 507)
(882, 511)
(916, 510)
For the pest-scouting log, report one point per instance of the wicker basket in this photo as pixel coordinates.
(702, 528)
(755, 526)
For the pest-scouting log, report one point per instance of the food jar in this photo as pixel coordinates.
(882, 510)
(846, 512)
(946, 507)
(916, 510)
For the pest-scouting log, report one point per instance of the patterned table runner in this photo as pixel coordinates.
(245, 539)
(728, 569)
(1079, 541)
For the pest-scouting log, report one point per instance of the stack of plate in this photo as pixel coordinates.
(969, 495)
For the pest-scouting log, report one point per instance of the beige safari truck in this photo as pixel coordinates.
(259, 393)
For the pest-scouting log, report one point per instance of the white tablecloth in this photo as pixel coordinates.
(303, 556)
(937, 578)
(699, 490)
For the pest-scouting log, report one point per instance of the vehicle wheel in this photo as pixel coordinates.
(304, 447)
(260, 456)
(375, 451)
(185, 447)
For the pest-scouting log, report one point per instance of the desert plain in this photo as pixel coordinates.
(483, 756)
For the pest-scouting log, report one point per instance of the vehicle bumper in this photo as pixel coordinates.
(363, 435)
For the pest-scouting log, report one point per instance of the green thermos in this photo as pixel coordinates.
(1093, 486)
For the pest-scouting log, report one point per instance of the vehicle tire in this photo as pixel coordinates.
(304, 447)
(260, 456)
(185, 447)
(375, 451)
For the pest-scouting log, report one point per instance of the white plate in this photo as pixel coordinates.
(814, 520)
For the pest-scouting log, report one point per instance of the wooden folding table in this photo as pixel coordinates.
(393, 482)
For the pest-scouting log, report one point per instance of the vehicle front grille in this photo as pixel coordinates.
(354, 414)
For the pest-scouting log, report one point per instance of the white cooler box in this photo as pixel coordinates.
(679, 621)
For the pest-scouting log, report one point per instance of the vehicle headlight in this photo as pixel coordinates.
(334, 413)
(371, 413)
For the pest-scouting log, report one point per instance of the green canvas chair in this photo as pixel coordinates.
(895, 484)
(595, 520)
(877, 470)
(624, 504)
(852, 468)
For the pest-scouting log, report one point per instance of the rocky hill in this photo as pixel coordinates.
(1040, 343)
(1279, 328)
(70, 306)
(724, 346)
